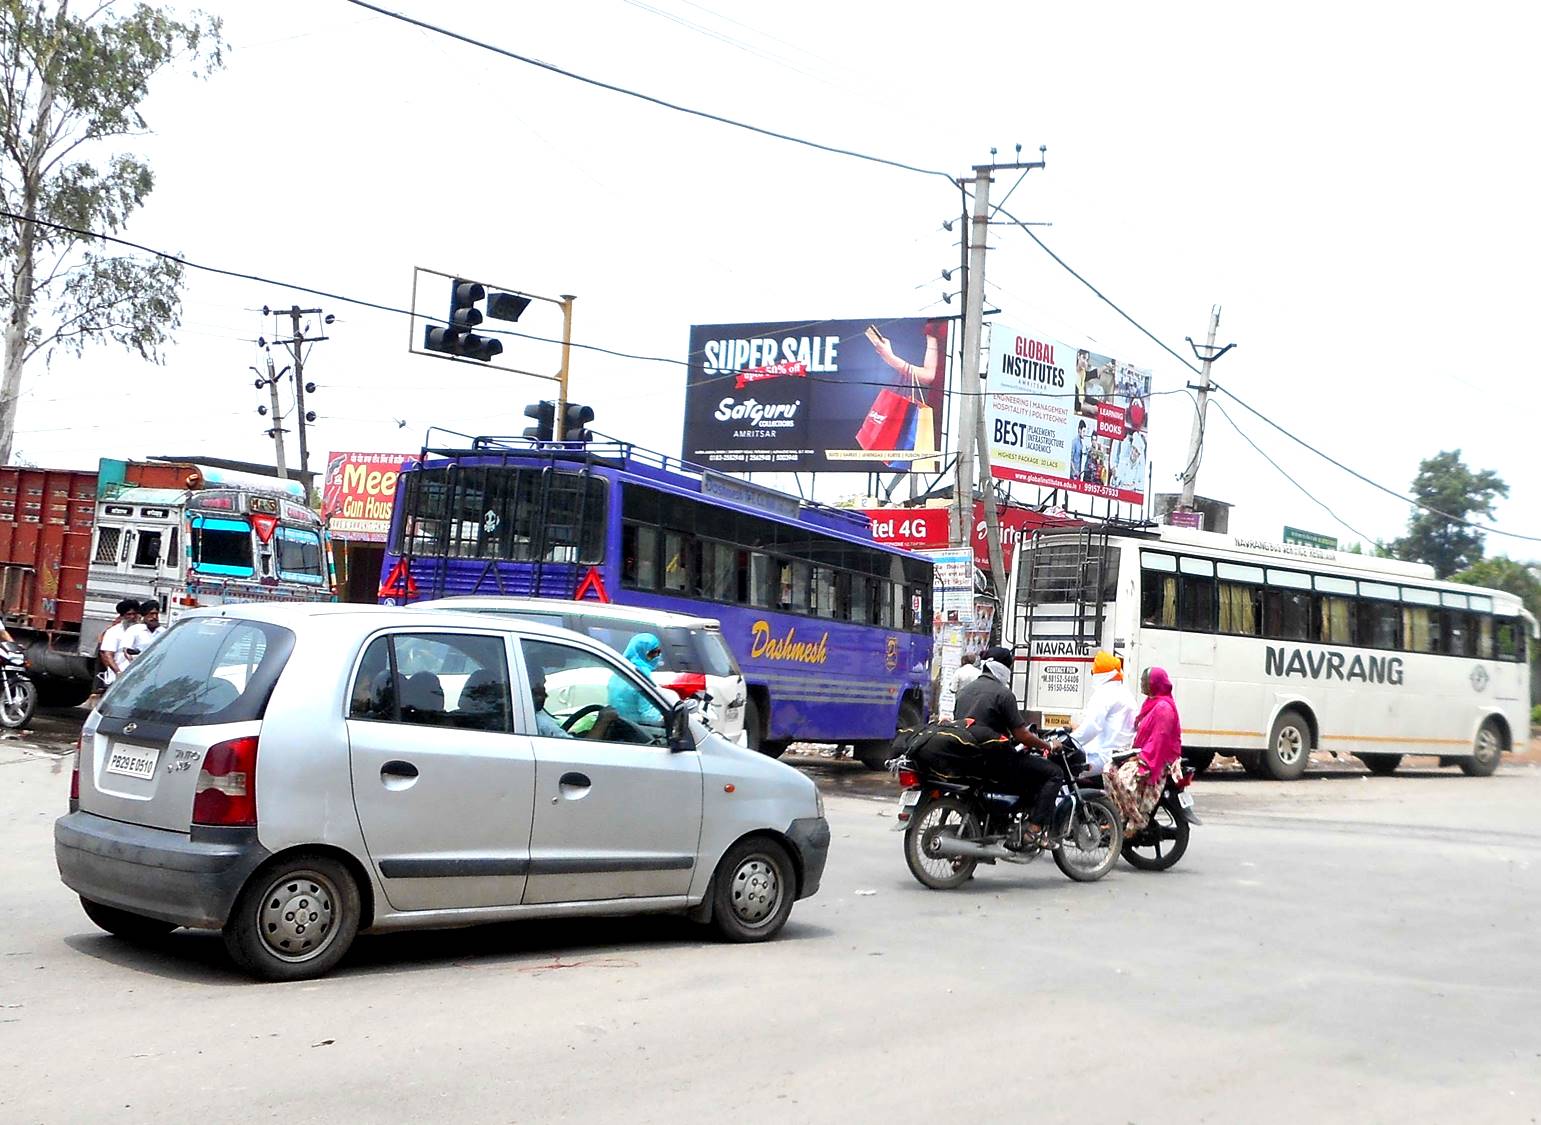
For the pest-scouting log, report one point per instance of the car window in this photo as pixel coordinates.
(434, 679)
(579, 694)
(204, 670)
(679, 653)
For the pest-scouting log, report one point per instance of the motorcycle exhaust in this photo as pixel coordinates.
(952, 846)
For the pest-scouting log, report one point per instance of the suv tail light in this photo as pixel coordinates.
(75, 775)
(684, 684)
(227, 785)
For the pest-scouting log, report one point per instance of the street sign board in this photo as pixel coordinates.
(1310, 539)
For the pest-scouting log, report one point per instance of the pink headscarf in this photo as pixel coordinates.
(1158, 730)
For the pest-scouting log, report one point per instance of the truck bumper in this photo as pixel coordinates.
(810, 836)
(154, 872)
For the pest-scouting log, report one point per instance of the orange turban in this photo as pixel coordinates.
(1107, 662)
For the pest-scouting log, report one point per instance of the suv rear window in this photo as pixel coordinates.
(684, 650)
(205, 670)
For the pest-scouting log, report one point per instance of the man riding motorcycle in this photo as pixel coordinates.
(989, 702)
(1107, 723)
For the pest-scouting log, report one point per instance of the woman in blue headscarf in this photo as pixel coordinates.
(644, 653)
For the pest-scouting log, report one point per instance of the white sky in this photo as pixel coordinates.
(1356, 189)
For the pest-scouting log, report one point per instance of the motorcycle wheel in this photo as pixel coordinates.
(943, 816)
(1161, 843)
(1096, 837)
(18, 699)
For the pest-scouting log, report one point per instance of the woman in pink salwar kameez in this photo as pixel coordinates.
(1136, 785)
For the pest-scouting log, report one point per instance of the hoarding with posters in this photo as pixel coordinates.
(858, 395)
(1063, 417)
(357, 494)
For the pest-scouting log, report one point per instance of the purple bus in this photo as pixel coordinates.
(832, 631)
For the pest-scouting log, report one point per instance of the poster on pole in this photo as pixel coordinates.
(842, 395)
(1063, 417)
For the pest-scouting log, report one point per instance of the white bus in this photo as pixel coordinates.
(1275, 649)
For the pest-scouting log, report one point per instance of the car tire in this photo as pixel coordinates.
(294, 919)
(1381, 765)
(1487, 750)
(754, 725)
(124, 923)
(774, 749)
(753, 890)
(1289, 747)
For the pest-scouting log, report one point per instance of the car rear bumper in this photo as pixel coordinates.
(154, 872)
(810, 836)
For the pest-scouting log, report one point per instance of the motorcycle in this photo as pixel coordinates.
(18, 694)
(1164, 839)
(953, 824)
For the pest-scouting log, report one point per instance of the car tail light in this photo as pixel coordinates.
(908, 779)
(227, 785)
(684, 684)
(75, 775)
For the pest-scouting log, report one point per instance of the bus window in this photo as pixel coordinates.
(1158, 589)
(679, 567)
(643, 558)
(762, 580)
(1241, 599)
(719, 572)
(1335, 609)
(1196, 595)
(299, 555)
(859, 603)
(824, 591)
(1507, 639)
(1378, 616)
(1483, 632)
(1456, 623)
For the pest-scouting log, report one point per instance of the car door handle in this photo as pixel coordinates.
(573, 785)
(397, 774)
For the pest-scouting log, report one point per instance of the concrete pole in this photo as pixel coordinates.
(278, 421)
(1196, 438)
(968, 381)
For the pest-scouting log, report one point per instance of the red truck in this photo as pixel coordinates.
(75, 542)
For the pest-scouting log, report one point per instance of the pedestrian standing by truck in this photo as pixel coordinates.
(109, 651)
(139, 635)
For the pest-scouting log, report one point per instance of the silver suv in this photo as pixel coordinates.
(294, 774)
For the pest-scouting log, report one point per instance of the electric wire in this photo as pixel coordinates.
(649, 98)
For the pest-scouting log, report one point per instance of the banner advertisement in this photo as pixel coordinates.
(1017, 526)
(843, 395)
(357, 494)
(1062, 417)
(915, 529)
(952, 586)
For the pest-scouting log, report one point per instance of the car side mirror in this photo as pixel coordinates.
(680, 737)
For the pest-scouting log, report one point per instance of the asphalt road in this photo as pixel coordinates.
(1343, 948)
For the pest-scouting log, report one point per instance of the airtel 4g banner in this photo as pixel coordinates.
(816, 395)
(1063, 417)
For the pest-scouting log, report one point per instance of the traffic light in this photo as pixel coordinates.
(575, 422)
(544, 414)
(456, 337)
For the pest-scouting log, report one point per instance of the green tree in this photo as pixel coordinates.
(1520, 579)
(70, 85)
(1445, 484)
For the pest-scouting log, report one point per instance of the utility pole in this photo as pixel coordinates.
(277, 432)
(971, 414)
(1196, 436)
(296, 345)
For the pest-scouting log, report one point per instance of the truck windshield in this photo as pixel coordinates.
(222, 545)
(299, 555)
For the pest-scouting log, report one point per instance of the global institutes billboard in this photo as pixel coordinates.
(843, 395)
(1065, 417)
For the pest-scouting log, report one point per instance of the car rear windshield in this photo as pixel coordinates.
(205, 670)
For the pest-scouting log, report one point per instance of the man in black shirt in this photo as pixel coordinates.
(989, 702)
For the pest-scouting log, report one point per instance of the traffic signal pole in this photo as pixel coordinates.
(559, 426)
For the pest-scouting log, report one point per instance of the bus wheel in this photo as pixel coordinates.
(1289, 747)
(1382, 765)
(1199, 760)
(1485, 753)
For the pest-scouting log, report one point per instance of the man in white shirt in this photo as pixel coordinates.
(109, 651)
(1107, 723)
(139, 635)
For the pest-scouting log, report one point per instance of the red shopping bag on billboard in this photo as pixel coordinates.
(884, 424)
(907, 438)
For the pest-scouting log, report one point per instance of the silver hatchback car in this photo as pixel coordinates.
(294, 774)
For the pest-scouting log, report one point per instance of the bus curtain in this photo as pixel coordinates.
(1238, 610)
